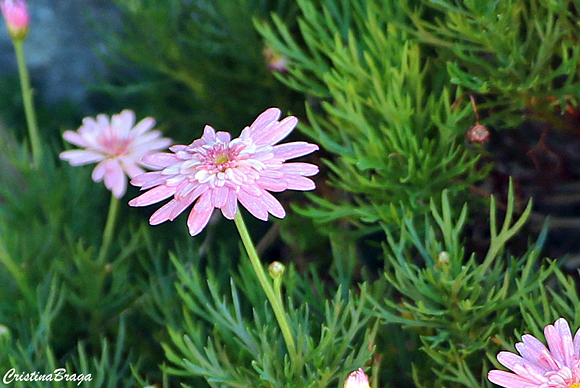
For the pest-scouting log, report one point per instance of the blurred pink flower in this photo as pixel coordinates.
(357, 379)
(555, 366)
(217, 172)
(117, 145)
(16, 17)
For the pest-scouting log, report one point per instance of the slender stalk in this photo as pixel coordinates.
(278, 289)
(275, 298)
(28, 103)
(109, 228)
(16, 272)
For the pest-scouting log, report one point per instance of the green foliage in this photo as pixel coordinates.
(522, 56)
(233, 341)
(193, 62)
(29, 348)
(456, 301)
(384, 86)
(389, 117)
(58, 301)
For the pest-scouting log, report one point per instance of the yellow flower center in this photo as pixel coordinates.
(221, 159)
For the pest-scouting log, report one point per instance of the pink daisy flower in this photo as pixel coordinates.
(357, 379)
(117, 145)
(16, 17)
(555, 366)
(217, 172)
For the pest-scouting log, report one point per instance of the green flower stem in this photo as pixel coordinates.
(278, 289)
(275, 298)
(16, 272)
(109, 227)
(28, 104)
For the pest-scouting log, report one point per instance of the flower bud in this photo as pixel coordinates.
(16, 17)
(357, 379)
(276, 62)
(443, 259)
(4, 336)
(276, 270)
(478, 134)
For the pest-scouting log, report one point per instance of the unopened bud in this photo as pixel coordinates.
(357, 379)
(275, 61)
(16, 17)
(478, 134)
(443, 259)
(4, 335)
(276, 270)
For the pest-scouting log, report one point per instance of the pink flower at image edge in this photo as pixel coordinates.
(16, 17)
(217, 172)
(116, 145)
(555, 366)
(357, 379)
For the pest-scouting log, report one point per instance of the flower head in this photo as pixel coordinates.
(217, 172)
(555, 366)
(16, 17)
(117, 145)
(357, 379)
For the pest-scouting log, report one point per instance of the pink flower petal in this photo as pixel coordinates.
(219, 196)
(274, 207)
(131, 169)
(102, 121)
(122, 123)
(99, 171)
(508, 359)
(81, 157)
(566, 343)
(160, 159)
(143, 126)
(230, 208)
(208, 135)
(185, 202)
(577, 343)
(507, 379)
(224, 137)
(555, 344)
(297, 168)
(76, 139)
(148, 180)
(535, 351)
(253, 190)
(293, 150)
(273, 135)
(264, 120)
(254, 205)
(154, 195)
(275, 185)
(163, 213)
(204, 204)
(197, 221)
(297, 182)
(115, 179)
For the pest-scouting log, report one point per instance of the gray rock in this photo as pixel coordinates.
(61, 48)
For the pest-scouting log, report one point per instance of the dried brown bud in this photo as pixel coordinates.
(478, 134)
